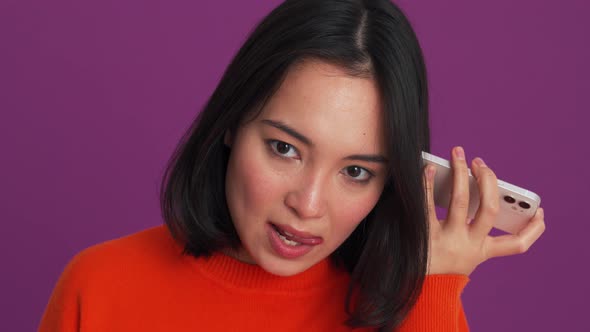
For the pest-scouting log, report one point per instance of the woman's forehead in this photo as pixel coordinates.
(324, 102)
(327, 105)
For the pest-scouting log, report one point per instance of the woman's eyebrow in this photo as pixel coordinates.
(373, 158)
(290, 131)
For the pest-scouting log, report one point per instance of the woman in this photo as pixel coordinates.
(297, 199)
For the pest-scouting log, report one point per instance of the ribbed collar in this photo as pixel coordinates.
(234, 273)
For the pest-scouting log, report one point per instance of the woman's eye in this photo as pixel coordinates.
(358, 174)
(283, 149)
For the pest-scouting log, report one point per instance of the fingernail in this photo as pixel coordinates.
(541, 212)
(479, 162)
(430, 172)
(459, 153)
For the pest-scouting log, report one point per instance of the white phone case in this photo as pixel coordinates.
(513, 216)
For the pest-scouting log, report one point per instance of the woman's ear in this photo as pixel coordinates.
(227, 139)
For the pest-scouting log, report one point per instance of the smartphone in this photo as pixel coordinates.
(517, 205)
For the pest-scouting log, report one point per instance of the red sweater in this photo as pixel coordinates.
(142, 282)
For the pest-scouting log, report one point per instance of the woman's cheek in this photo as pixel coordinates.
(349, 214)
(261, 182)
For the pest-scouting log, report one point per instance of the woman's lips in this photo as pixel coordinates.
(290, 245)
(297, 236)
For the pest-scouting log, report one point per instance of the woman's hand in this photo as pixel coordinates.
(457, 247)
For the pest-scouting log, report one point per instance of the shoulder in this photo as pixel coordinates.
(120, 272)
(146, 252)
(154, 243)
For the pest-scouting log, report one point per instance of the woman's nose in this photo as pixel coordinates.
(307, 199)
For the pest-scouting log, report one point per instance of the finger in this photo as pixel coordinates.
(489, 203)
(457, 214)
(512, 244)
(429, 172)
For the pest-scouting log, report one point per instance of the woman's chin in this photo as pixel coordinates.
(284, 267)
(272, 262)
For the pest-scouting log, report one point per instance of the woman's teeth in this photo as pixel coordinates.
(287, 241)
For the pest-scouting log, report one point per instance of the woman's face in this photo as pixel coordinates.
(305, 172)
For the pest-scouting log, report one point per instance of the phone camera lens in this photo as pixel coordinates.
(509, 199)
(524, 205)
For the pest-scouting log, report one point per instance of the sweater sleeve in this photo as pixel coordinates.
(439, 306)
(62, 312)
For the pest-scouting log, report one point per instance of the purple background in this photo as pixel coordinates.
(94, 96)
